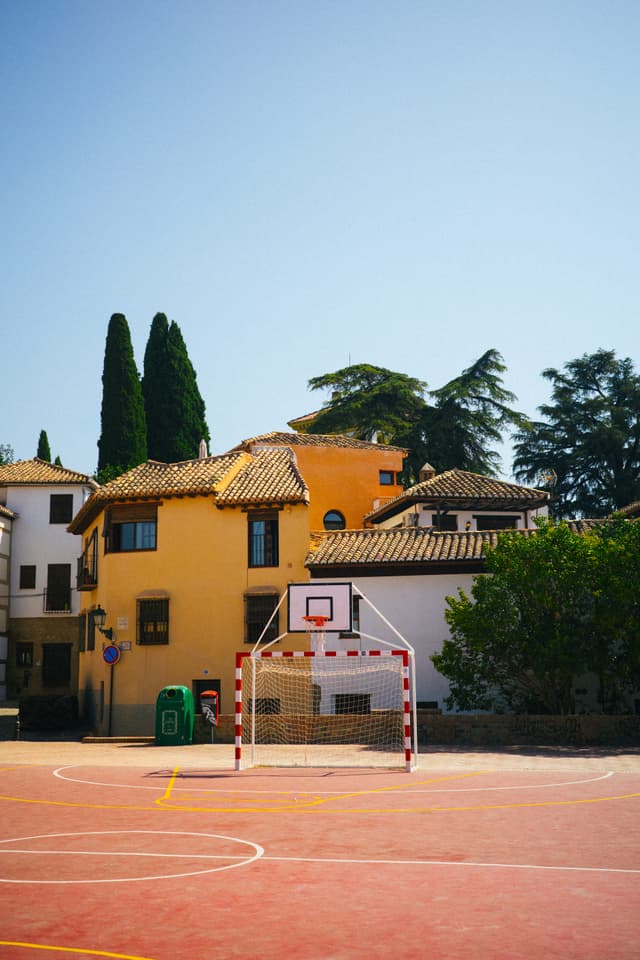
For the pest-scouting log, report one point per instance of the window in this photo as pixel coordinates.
(444, 521)
(153, 621)
(24, 654)
(91, 630)
(263, 539)
(56, 664)
(61, 508)
(57, 598)
(334, 520)
(399, 480)
(355, 618)
(88, 564)
(353, 702)
(27, 577)
(387, 478)
(500, 522)
(258, 609)
(131, 527)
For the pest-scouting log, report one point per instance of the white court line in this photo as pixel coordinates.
(456, 863)
(258, 852)
(485, 789)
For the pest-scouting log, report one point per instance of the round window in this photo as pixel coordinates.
(333, 520)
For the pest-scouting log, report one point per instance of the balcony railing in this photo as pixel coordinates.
(58, 600)
(87, 575)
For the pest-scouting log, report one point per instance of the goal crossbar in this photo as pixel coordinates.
(323, 708)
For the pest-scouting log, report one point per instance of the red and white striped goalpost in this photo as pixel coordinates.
(269, 654)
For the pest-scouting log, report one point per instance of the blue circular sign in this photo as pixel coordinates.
(111, 653)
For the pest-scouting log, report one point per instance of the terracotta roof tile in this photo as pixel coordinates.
(457, 487)
(408, 545)
(38, 471)
(282, 438)
(155, 479)
(271, 476)
(401, 545)
(631, 510)
(232, 478)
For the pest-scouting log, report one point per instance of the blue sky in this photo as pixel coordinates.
(301, 185)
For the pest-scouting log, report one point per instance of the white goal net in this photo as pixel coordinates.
(315, 709)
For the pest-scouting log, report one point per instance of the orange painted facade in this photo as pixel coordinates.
(349, 476)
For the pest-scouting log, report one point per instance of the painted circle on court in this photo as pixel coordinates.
(120, 856)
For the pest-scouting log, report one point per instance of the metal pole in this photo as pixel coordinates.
(110, 698)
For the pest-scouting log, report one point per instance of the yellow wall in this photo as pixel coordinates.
(346, 479)
(201, 562)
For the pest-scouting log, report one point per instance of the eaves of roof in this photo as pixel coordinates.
(232, 479)
(36, 472)
(461, 490)
(282, 438)
(410, 549)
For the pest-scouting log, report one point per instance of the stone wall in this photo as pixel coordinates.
(486, 730)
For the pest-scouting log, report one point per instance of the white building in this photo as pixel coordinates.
(6, 523)
(43, 605)
(427, 544)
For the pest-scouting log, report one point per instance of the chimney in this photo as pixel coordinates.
(426, 472)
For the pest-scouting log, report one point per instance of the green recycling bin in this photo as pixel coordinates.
(174, 716)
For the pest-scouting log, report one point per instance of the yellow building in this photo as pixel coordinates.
(188, 560)
(348, 478)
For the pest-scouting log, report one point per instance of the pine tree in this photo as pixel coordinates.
(175, 410)
(123, 440)
(44, 450)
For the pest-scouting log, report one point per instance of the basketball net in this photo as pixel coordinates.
(316, 633)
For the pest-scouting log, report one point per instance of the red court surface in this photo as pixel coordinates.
(168, 853)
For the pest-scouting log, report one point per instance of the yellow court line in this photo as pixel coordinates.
(83, 806)
(317, 801)
(94, 953)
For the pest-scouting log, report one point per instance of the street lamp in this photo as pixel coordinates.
(99, 618)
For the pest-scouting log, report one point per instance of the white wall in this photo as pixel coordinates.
(425, 515)
(37, 542)
(415, 606)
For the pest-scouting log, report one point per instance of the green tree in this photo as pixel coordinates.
(122, 444)
(553, 606)
(157, 403)
(44, 450)
(617, 610)
(368, 402)
(589, 439)
(453, 426)
(176, 420)
(467, 418)
(6, 453)
(527, 632)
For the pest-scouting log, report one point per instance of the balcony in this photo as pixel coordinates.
(57, 600)
(87, 573)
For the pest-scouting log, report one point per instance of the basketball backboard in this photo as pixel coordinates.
(323, 600)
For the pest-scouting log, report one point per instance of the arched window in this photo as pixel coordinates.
(333, 520)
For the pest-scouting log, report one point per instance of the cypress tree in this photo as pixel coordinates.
(174, 407)
(123, 440)
(44, 450)
(155, 381)
(188, 409)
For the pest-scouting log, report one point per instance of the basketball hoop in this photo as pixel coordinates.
(316, 631)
